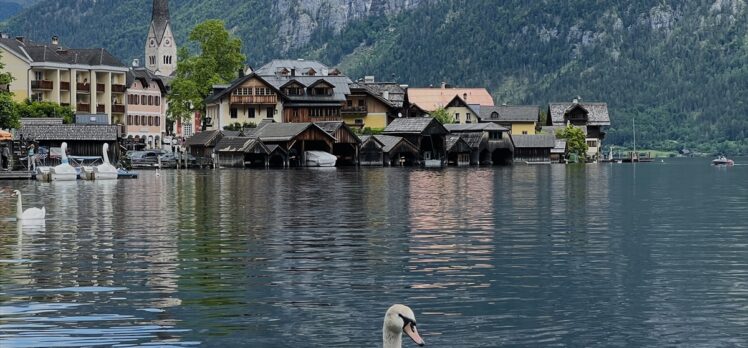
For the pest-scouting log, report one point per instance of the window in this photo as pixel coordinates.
(359, 122)
(294, 91)
(150, 120)
(361, 102)
(350, 103)
(251, 112)
(467, 117)
(262, 91)
(143, 120)
(129, 119)
(137, 99)
(39, 75)
(494, 114)
(137, 120)
(150, 100)
(457, 117)
(158, 100)
(167, 59)
(524, 132)
(494, 135)
(243, 91)
(234, 113)
(152, 60)
(592, 143)
(38, 96)
(158, 121)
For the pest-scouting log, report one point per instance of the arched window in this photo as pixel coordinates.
(136, 119)
(136, 99)
(158, 121)
(494, 114)
(158, 101)
(150, 120)
(129, 119)
(142, 120)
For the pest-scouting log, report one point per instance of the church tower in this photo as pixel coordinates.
(160, 48)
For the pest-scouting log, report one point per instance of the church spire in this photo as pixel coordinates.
(160, 48)
(160, 18)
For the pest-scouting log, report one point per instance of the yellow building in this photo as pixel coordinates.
(461, 112)
(519, 119)
(372, 104)
(90, 81)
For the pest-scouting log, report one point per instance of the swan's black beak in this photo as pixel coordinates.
(410, 329)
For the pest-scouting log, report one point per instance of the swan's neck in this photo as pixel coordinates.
(19, 208)
(64, 157)
(391, 339)
(106, 155)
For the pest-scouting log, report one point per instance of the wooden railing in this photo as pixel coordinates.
(83, 87)
(254, 99)
(83, 107)
(118, 88)
(118, 108)
(100, 87)
(354, 110)
(41, 84)
(64, 85)
(100, 108)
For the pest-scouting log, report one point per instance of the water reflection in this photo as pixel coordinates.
(522, 256)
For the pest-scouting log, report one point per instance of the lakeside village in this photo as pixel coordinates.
(287, 113)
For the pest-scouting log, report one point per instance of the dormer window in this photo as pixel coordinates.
(295, 90)
(322, 91)
(495, 115)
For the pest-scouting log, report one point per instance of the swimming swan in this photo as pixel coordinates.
(30, 214)
(398, 319)
(105, 171)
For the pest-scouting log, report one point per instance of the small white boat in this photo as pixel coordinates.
(723, 161)
(319, 159)
(64, 171)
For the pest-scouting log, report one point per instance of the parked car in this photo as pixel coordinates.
(145, 159)
(169, 159)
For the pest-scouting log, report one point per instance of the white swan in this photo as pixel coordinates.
(64, 171)
(105, 171)
(31, 214)
(398, 319)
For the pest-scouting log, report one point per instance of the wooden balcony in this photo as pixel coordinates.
(83, 107)
(118, 88)
(354, 110)
(100, 87)
(41, 84)
(118, 108)
(64, 85)
(100, 108)
(83, 88)
(254, 99)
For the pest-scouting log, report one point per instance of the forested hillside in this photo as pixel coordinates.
(679, 67)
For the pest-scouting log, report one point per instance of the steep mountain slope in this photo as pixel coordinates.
(679, 68)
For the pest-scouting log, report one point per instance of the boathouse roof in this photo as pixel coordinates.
(474, 127)
(534, 141)
(205, 138)
(455, 144)
(390, 143)
(69, 132)
(514, 113)
(416, 125)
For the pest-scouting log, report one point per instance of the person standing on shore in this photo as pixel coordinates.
(6, 157)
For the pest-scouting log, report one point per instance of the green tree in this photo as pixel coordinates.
(576, 141)
(8, 107)
(219, 61)
(37, 109)
(442, 116)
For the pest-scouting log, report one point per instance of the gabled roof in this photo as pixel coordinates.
(430, 99)
(238, 82)
(146, 77)
(206, 138)
(474, 127)
(390, 93)
(534, 141)
(597, 113)
(332, 127)
(285, 131)
(390, 143)
(300, 66)
(455, 143)
(241, 144)
(68, 132)
(560, 146)
(321, 82)
(271, 72)
(415, 125)
(291, 82)
(519, 113)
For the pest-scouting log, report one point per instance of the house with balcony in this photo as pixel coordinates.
(422, 101)
(90, 81)
(249, 99)
(592, 117)
(519, 119)
(490, 143)
(145, 115)
(373, 104)
(312, 92)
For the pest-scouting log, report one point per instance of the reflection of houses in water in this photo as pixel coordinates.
(452, 226)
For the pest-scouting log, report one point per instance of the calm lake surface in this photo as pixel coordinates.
(605, 255)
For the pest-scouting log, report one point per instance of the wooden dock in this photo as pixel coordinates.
(16, 175)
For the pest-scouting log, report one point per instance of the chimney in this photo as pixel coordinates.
(369, 79)
(19, 39)
(444, 85)
(464, 97)
(241, 72)
(55, 40)
(135, 63)
(4, 35)
(386, 95)
(293, 72)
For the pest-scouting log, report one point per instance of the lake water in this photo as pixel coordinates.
(608, 255)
